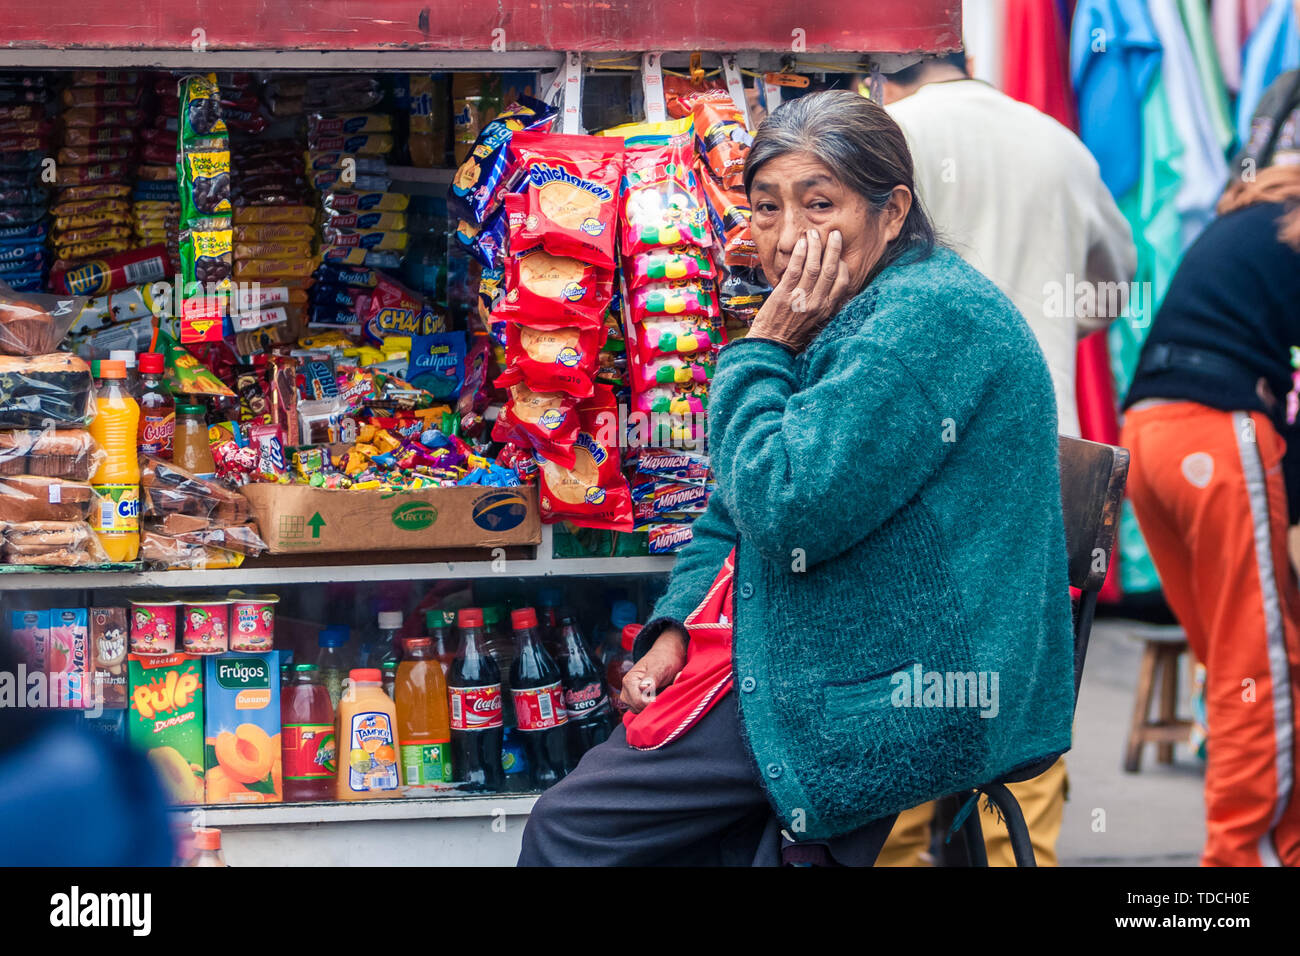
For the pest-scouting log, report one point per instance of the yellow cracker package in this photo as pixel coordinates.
(97, 233)
(273, 232)
(274, 269)
(267, 214)
(95, 191)
(272, 250)
(86, 250)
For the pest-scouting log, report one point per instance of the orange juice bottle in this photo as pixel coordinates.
(117, 480)
(423, 727)
(367, 745)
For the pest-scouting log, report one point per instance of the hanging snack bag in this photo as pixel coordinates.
(200, 106)
(662, 205)
(721, 137)
(547, 420)
(481, 181)
(591, 492)
(553, 360)
(571, 186)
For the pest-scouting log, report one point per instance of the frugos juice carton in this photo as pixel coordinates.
(68, 658)
(242, 751)
(166, 719)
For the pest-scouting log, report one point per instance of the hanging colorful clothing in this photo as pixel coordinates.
(1273, 48)
(1039, 73)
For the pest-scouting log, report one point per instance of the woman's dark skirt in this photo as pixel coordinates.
(696, 802)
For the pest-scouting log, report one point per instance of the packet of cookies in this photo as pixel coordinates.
(555, 360)
(572, 187)
(662, 205)
(544, 420)
(592, 492)
(548, 290)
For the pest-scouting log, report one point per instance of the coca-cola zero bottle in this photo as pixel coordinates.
(586, 705)
(539, 701)
(474, 686)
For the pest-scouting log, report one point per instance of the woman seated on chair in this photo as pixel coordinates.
(886, 530)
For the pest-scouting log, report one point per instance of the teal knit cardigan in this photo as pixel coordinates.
(893, 497)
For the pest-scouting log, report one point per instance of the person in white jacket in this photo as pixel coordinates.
(1019, 197)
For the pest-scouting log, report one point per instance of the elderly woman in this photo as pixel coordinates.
(874, 609)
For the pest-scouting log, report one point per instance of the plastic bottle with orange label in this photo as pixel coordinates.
(117, 480)
(367, 744)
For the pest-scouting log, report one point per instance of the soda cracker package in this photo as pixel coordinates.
(592, 492)
(553, 360)
(548, 290)
(571, 187)
(662, 205)
(547, 420)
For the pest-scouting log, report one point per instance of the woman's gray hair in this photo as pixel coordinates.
(859, 143)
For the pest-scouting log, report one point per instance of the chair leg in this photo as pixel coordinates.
(1141, 709)
(973, 834)
(1168, 700)
(1022, 847)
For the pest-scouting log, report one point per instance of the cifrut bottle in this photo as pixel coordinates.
(368, 745)
(539, 701)
(127, 358)
(474, 683)
(116, 520)
(423, 723)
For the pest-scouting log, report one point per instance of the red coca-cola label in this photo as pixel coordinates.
(476, 708)
(539, 708)
(584, 700)
(157, 432)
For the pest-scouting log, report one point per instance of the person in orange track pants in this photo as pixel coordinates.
(1204, 421)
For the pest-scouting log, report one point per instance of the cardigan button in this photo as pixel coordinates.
(747, 590)
(747, 685)
(774, 770)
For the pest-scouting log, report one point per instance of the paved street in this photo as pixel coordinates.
(1151, 818)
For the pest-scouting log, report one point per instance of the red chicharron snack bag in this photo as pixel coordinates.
(572, 193)
(555, 360)
(592, 492)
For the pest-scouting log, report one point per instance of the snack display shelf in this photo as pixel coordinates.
(448, 831)
(394, 566)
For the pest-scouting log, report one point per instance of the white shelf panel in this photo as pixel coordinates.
(255, 576)
(439, 808)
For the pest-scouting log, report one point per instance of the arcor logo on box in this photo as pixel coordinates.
(414, 516)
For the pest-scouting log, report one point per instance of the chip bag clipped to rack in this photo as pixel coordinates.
(662, 205)
(592, 491)
(483, 178)
(571, 189)
(721, 137)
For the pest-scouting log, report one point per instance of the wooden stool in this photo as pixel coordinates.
(1163, 646)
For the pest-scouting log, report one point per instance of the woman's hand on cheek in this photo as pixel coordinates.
(814, 286)
(655, 671)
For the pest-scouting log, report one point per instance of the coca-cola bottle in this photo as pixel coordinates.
(586, 705)
(539, 701)
(474, 686)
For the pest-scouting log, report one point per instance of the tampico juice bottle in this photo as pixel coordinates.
(367, 742)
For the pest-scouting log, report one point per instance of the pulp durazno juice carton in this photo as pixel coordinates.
(165, 719)
(242, 747)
